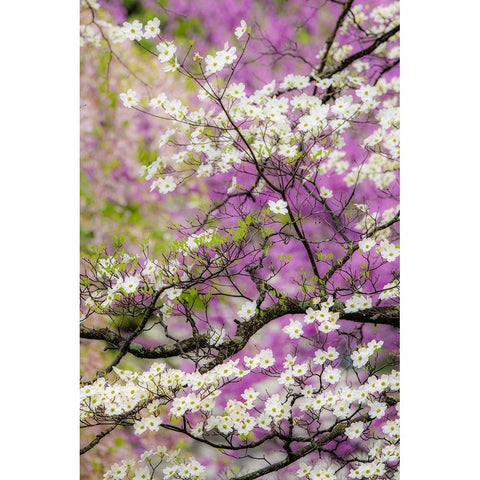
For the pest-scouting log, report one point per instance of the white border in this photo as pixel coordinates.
(440, 262)
(39, 190)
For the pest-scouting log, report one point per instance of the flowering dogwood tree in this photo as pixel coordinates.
(266, 329)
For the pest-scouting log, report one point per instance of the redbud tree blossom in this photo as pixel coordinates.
(244, 322)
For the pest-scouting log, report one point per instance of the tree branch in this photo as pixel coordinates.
(366, 51)
(161, 351)
(245, 330)
(97, 439)
(337, 430)
(332, 36)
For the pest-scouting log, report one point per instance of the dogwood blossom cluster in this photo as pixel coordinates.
(388, 251)
(247, 311)
(194, 393)
(220, 60)
(124, 278)
(368, 220)
(157, 461)
(361, 356)
(319, 470)
(390, 290)
(94, 34)
(280, 206)
(357, 302)
(275, 126)
(323, 317)
(316, 390)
